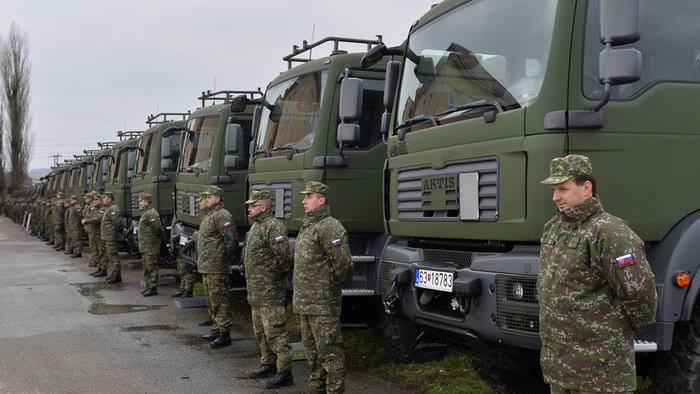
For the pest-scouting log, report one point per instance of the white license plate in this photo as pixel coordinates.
(183, 240)
(435, 280)
(136, 230)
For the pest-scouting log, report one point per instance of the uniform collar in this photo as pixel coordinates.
(320, 213)
(581, 212)
(262, 216)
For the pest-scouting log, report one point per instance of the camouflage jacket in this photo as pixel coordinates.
(58, 212)
(217, 241)
(111, 228)
(150, 231)
(268, 260)
(74, 215)
(595, 288)
(322, 263)
(93, 219)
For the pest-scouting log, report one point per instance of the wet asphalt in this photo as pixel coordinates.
(63, 331)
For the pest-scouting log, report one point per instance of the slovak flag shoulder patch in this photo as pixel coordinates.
(227, 225)
(153, 220)
(624, 261)
(336, 242)
(279, 238)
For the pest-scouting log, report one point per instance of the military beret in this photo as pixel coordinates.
(562, 169)
(315, 187)
(212, 190)
(146, 197)
(59, 195)
(259, 195)
(96, 195)
(105, 194)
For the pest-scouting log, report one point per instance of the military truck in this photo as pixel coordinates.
(121, 171)
(488, 93)
(103, 162)
(299, 137)
(158, 155)
(213, 153)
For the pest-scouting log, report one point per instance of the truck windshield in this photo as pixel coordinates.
(492, 50)
(142, 162)
(290, 111)
(114, 170)
(199, 142)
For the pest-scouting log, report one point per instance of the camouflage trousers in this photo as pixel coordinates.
(150, 269)
(74, 241)
(93, 245)
(101, 257)
(216, 288)
(59, 235)
(112, 257)
(270, 327)
(49, 233)
(562, 391)
(322, 339)
(184, 269)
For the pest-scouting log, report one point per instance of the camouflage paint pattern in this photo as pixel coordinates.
(150, 231)
(270, 327)
(322, 339)
(217, 241)
(216, 289)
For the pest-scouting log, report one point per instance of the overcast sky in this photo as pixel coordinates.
(102, 66)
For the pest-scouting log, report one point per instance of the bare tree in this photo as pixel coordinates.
(2, 139)
(15, 72)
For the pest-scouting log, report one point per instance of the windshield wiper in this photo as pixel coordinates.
(474, 105)
(195, 169)
(292, 150)
(266, 152)
(414, 121)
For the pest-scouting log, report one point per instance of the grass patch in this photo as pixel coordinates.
(366, 351)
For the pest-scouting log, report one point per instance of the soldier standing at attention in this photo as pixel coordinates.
(184, 269)
(149, 232)
(58, 219)
(87, 213)
(66, 225)
(322, 263)
(216, 245)
(94, 222)
(112, 232)
(268, 262)
(595, 288)
(75, 213)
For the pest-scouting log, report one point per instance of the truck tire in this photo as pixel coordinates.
(401, 333)
(678, 370)
(504, 380)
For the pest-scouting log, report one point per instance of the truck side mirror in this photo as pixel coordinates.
(619, 66)
(350, 110)
(391, 80)
(239, 103)
(165, 148)
(166, 164)
(234, 133)
(257, 113)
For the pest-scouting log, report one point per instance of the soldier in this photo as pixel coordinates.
(322, 263)
(216, 244)
(66, 225)
(74, 227)
(58, 218)
(595, 288)
(184, 269)
(87, 212)
(48, 222)
(112, 233)
(149, 232)
(268, 262)
(93, 221)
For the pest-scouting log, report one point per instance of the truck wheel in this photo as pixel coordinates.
(678, 370)
(401, 334)
(504, 380)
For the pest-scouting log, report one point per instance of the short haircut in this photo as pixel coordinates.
(581, 179)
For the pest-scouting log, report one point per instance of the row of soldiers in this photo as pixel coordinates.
(319, 265)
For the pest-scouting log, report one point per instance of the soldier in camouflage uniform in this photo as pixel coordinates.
(595, 288)
(66, 225)
(322, 263)
(58, 219)
(184, 268)
(93, 223)
(75, 215)
(87, 212)
(48, 221)
(150, 232)
(112, 233)
(268, 262)
(217, 244)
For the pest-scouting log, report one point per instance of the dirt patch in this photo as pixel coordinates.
(154, 327)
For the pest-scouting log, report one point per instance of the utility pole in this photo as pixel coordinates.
(56, 159)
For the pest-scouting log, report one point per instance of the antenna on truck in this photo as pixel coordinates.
(162, 117)
(128, 134)
(226, 96)
(306, 47)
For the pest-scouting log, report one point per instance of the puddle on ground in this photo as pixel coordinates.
(192, 340)
(154, 327)
(100, 308)
(92, 289)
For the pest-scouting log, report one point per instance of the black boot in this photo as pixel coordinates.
(92, 264)
(114, 279)
(60, 248)
(187, 293)
(224, 339)
(211, 335)
(76, 255)
(99, 273)
(50, 243)
(178, 294)
(205, 323)
(68, 251)
(280, 379)
(263, 371)
(150, 292)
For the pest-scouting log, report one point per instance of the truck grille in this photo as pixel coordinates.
(447, 258)
(186, 203)
(282, 195)
(415, 204)
(515, 314)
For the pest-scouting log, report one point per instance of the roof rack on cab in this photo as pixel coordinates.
(162, 117)
(226, 95)
(128, 134)
(305, 46)
(105, 145)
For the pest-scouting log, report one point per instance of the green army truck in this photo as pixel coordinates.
(102, 165)
(299, 138)
(213, 153)
(121, 171)
(158, 155)
(488, 93)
